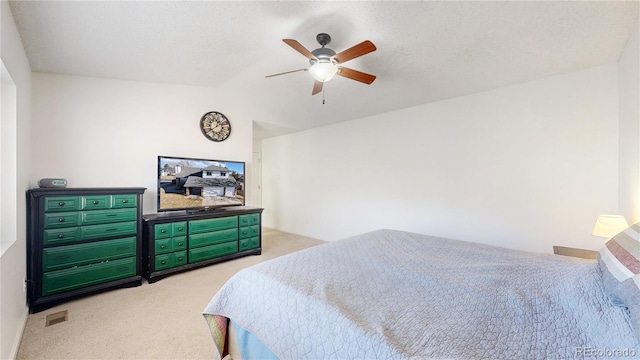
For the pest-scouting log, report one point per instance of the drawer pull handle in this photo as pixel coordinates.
(111, 229)
(61, 220)
(124, 201)
(60, 236)
(163, 247)
(163, 262)
(95, 202)
(112, 214)
(179, 244)
(163, 231)
(180, 229)
(179, 259)
(61, 203)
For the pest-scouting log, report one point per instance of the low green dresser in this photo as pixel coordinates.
(179, 241)
(82, 241)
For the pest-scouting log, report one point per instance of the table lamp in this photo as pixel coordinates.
(608, 226)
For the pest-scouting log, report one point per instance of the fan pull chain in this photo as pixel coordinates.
(323, 95)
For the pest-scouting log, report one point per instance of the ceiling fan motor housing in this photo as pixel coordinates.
(322, 54)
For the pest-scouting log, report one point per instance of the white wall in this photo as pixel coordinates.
(527, 166)
(8, 156)
(15, 175)
(109, 133)
(629, 90)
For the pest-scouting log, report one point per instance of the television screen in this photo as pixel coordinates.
(190, 183)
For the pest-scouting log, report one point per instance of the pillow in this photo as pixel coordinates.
(619, 260)
(629, 293)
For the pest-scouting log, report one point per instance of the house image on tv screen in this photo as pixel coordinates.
(210, 181)
(200, 184)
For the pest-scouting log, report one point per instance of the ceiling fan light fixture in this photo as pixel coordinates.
(323, 70)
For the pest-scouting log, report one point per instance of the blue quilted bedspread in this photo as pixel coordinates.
(395, 295)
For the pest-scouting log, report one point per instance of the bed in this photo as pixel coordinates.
(390, 294)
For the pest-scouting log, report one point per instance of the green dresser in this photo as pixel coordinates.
(82, 241)
(179, 241)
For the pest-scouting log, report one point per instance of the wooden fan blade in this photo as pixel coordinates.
(286, 72)
(353, 52)
(317, 87)
(299, 48)
(355, 75)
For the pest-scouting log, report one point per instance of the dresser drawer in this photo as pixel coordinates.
(59, 220)
(179, 243)
(96, 202)
(108, 230)
(249, 231)
(68, 279)
(162, 246)
(215, 237)
(124, 201)
(88, 253)
(179, 228)
(108, 216)
(62, 203)
(250, 243)
(212, 251)
(251, 219)
(201, 226)
(162, 231)
(61, 236)
(179, 258)
(164, 261)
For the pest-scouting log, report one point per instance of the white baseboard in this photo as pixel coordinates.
(16, 341)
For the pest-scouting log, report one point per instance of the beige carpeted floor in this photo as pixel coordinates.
(162, 320)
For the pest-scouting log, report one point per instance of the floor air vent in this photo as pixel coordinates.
(57, 318)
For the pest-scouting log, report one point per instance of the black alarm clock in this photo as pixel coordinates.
(52, 183)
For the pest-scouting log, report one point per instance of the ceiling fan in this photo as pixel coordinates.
(325, 63)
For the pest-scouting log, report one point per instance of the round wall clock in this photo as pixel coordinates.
(215, 126)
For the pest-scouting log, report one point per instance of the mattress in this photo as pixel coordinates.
(399, 295)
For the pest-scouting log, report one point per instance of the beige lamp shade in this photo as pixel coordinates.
(608, 226)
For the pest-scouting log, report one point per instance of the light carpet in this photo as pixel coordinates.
(162, 320)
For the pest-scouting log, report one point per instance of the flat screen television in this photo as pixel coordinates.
(199, 184)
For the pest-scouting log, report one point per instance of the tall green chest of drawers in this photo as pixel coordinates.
(82, 241)
(180, 241)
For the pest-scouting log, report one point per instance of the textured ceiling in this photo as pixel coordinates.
(427, 51)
